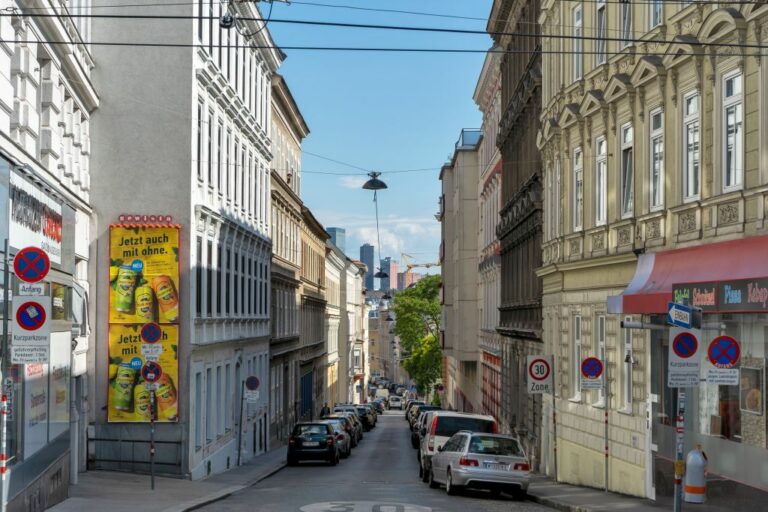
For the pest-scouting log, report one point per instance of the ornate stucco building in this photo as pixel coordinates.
(519, 228)
(653, 140)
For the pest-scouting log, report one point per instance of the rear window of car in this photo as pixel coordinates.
(449, 425)
(488, 445)
(316, 428)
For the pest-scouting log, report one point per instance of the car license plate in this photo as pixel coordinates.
(497, 466)
(311, 443)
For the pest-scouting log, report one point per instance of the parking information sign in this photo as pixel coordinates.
(251, 392)
(30, 337)
(539, 374)
(684, 358)
(591, 373)
(723, 353)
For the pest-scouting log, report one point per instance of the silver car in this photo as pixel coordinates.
(343, 439)
(475, 460)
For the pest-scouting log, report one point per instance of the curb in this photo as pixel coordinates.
(226, 492)
(557, 505)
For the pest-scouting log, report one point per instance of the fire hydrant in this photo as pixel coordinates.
(695, 490)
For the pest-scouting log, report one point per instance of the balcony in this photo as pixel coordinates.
(469, 138)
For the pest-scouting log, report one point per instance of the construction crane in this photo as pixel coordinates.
(409, 266)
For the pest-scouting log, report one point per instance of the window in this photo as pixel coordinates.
(208, 405)
(657, 160)
(200, 111)
(576, 361)
(210, 148)
(357, 358)
(199, 278)
(657, 13)
(626, 389)
(198, 410)
(600, 34)
(733, 145)
(550, 205)
(228, 397)
(691, 150)
(627, 171)
(578, 43)
(209, 280)
(625, 14)
(578, 189)
(220, 161)
(601, 355)
(219, 403)
(601, 189)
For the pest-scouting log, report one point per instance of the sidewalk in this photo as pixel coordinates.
(570, 498)
(124, 492)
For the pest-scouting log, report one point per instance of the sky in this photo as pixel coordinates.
(381, 111)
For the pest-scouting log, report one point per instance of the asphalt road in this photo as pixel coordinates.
(380, 476)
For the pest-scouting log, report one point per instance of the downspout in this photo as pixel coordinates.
(74, 426)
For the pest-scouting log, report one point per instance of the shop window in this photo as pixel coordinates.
(61, 302)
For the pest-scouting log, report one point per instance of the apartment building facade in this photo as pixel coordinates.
(335, 329)
(288, 131)
(653, 143)
(195, 139)
(519, 228)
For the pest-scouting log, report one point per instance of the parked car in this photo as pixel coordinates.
(379, 405)
(352, 415)
(349, 427)
(481, 461)
(313, 441)
(343, 439)
(401, 390)
(395, 402)
(418, 409)
(366, 416)
(410, 405)
(374, 413)
(442, 426)
(423, 420)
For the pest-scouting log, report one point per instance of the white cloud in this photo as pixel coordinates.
(352, 182)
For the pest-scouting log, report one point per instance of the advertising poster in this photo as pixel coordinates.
(128, 396)
(59, 380)
(144, 274)
(35, 407)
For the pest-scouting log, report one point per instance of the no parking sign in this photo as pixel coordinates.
(684, 358)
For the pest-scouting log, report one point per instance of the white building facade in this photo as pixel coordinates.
(196, 137)
(47, 98)
(334, 279)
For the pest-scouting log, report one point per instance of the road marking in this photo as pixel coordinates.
(363, 506)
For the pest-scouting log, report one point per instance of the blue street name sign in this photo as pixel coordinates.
(680, 315)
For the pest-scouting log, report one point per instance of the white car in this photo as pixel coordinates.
(395, 402)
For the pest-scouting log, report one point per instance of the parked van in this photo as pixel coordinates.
(442, 427)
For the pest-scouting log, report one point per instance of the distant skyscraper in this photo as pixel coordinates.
(366, 256)
(338, 238)
(389, 266)
(406, 279)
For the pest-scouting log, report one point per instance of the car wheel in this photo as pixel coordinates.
(451, 489)
(432, 483)
(292, 461)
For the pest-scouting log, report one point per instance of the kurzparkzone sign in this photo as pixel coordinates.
(539, 374)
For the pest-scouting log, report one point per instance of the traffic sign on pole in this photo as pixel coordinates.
(679, 315)
(684, 358)
(251, 392)
(539, 374)
(31, 264)
(723, 353)
(591, 373)
(30, 334)
(152, 371)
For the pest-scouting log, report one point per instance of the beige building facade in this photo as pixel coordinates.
(653, 121)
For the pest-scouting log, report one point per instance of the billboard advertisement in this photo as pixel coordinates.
(128, 397)
(144, 274)
(143, 321)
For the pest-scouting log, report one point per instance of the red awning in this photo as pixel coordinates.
(651, 288)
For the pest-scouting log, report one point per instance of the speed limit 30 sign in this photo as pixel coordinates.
(539, 374)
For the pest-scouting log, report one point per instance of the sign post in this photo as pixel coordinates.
(3, 375)
(152, 372)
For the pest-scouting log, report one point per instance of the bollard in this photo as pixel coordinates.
(696, 476)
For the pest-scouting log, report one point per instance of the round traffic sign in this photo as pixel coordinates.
(151, 371)
(724, 352)
(252, 383)
(151, 333)
(30, 316)
(31, 264)
(539, 369)
(592, 368)
(685, 345)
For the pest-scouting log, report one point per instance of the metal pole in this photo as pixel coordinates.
(679, 448)
(554, 416)
(606, 401)
(3, 376)
(152, 409)
(240, 424)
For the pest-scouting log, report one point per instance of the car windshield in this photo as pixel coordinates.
(449, 425)
(316, 428)
(490, 445)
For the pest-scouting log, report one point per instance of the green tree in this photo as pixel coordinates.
(417, 310)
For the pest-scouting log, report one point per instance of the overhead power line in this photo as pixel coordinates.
(400, 28)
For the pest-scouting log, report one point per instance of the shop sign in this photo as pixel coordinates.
(36, 219)
(539, 375)
(684, 358)
(743, 295)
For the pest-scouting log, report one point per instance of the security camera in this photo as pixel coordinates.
(227, 21)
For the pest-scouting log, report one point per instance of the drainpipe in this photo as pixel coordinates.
(74, 432)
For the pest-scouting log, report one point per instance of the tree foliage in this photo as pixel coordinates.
(417, 310)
